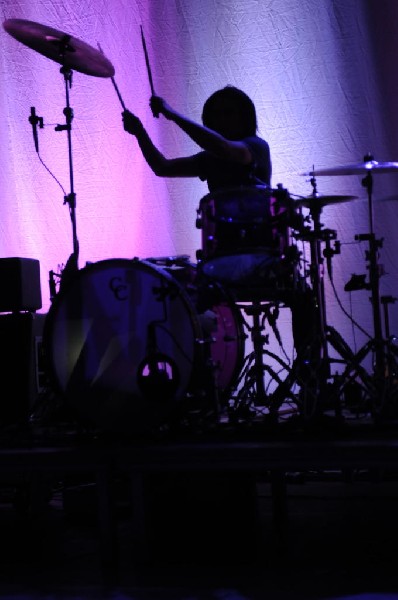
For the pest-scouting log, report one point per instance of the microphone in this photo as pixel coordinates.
(34, 120)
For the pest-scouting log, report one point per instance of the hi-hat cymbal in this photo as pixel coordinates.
(61, 47)
(363, 168)
(317, 200)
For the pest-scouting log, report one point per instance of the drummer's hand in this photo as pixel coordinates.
(159, 107)
(131, 123)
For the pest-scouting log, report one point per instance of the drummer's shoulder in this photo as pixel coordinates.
(257, 140)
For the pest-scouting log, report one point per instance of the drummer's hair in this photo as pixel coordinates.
(243, 103)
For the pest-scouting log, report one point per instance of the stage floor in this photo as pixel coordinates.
(236, 513)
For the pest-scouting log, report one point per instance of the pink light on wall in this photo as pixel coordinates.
(308, 65)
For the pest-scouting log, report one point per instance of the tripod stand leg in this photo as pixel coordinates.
(354, 374)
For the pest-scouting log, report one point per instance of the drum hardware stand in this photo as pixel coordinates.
(317, 389)
(392, 366)
(69, 270)
(54, 280)
(384, 384)
(384, 366)
(385, 301)
(72, 263)
(375, 272)
(315, 355)
(253, 390)
(210, 392)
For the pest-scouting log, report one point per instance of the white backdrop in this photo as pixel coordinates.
(323, 77)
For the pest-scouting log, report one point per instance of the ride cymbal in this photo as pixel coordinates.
(68, 51)
(356, 169)
(319, 200)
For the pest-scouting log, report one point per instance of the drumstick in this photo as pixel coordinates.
(114, 84)
(148, 66)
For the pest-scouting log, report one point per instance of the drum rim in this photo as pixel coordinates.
(260, 189)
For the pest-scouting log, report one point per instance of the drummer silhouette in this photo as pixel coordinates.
(232, 156)
(232, 153)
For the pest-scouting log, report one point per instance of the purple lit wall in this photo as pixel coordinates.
(322, 74)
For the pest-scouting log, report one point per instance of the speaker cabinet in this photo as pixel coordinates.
(21, 365)
(20, 288)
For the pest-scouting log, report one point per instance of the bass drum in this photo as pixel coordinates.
(124, 345)
(122, 341)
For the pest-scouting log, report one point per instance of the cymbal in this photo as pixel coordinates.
(61, 47)
(318, 200)
(356, 169)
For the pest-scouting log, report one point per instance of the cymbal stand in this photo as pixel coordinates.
(384, 368)
(316, 354)
(374, 277)
(320, 388)
(72, 263)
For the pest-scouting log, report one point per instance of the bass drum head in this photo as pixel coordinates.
(121, 342)
(223, 327)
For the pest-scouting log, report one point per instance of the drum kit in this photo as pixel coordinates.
(137, 346)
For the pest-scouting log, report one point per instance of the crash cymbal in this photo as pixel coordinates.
(318, 200)
(356, 169)
(61, 47)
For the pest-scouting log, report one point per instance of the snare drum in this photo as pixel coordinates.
(125, 344)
